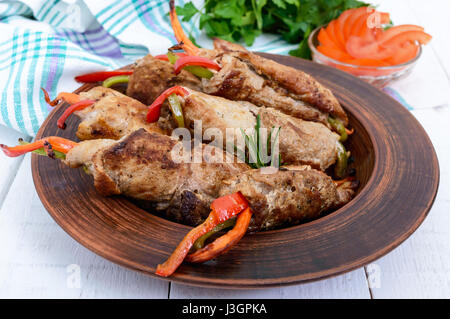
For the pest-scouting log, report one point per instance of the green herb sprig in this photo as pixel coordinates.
(244, 20)
(254, 143)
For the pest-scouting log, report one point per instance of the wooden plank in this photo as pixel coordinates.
(350, 285)
(420, 267)
(39, 260)
(8, 165)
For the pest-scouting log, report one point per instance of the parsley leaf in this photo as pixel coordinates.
(244, 20)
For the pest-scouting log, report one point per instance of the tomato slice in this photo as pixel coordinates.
(405, 53)
(360, 49)
(340, 25)
(334, 53)
(332, 30)
(350, 22)
(394, 31)
(325, 40)
(408, 36)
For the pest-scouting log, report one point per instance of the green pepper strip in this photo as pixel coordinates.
(194, 69)
(116, 80)
(339, 127)
(41, 151)
(341, 165)
(175, 107)
(200, 243)
(172, 57)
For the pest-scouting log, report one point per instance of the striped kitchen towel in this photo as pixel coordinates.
(47, 43)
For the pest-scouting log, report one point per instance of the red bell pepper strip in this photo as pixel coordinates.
(74, 107)
(227, 206)
(224, 243)
(195, 60)
(170, 265)
(154, 110)
(100, 76)
(70, 98)
(164, 57)
(57, 143)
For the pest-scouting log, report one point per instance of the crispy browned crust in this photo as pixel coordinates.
(217, 112)
(112, 116)
(301, 142)
(226, 46)
(285, 197)
(296, 82)
(152, 76)
(141, 166)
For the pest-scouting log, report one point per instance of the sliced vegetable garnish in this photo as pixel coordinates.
(42, 151)
(228, 206)
(332, 32)
(200, 243)
(74, 107)
(408, 36)
(340, 168)
(350, 22)
(188, 46)
(405, 53)
(116, 80)
(195, 60)
(325, 39)
(199, 71)
(170, 265)
(396, 30)
(223, 209)
(176, 109)
(70, 98)
(225, 242)
(358, 37)
(334, 53)
(170, 56)
(154, 110)
(58, 144)
(339, 127)
(100, 76)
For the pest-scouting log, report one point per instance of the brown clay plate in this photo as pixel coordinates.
(395, 162)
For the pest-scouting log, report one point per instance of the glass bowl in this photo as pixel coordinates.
(378, 76)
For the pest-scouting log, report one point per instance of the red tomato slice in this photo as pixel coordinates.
(325, 40)
(404, 54)
(332, 30)
(394, 31)
(360, 49)
(340, 25)
(333, 53)
(408, 36)
(350, 22)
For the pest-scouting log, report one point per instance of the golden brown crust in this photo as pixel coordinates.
(284, 197)
(153, 76)
(296, 82)
(141, 166)
(226, 46)
(301, 142)
(112, 116)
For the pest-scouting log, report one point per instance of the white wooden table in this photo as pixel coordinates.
(39, 260)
